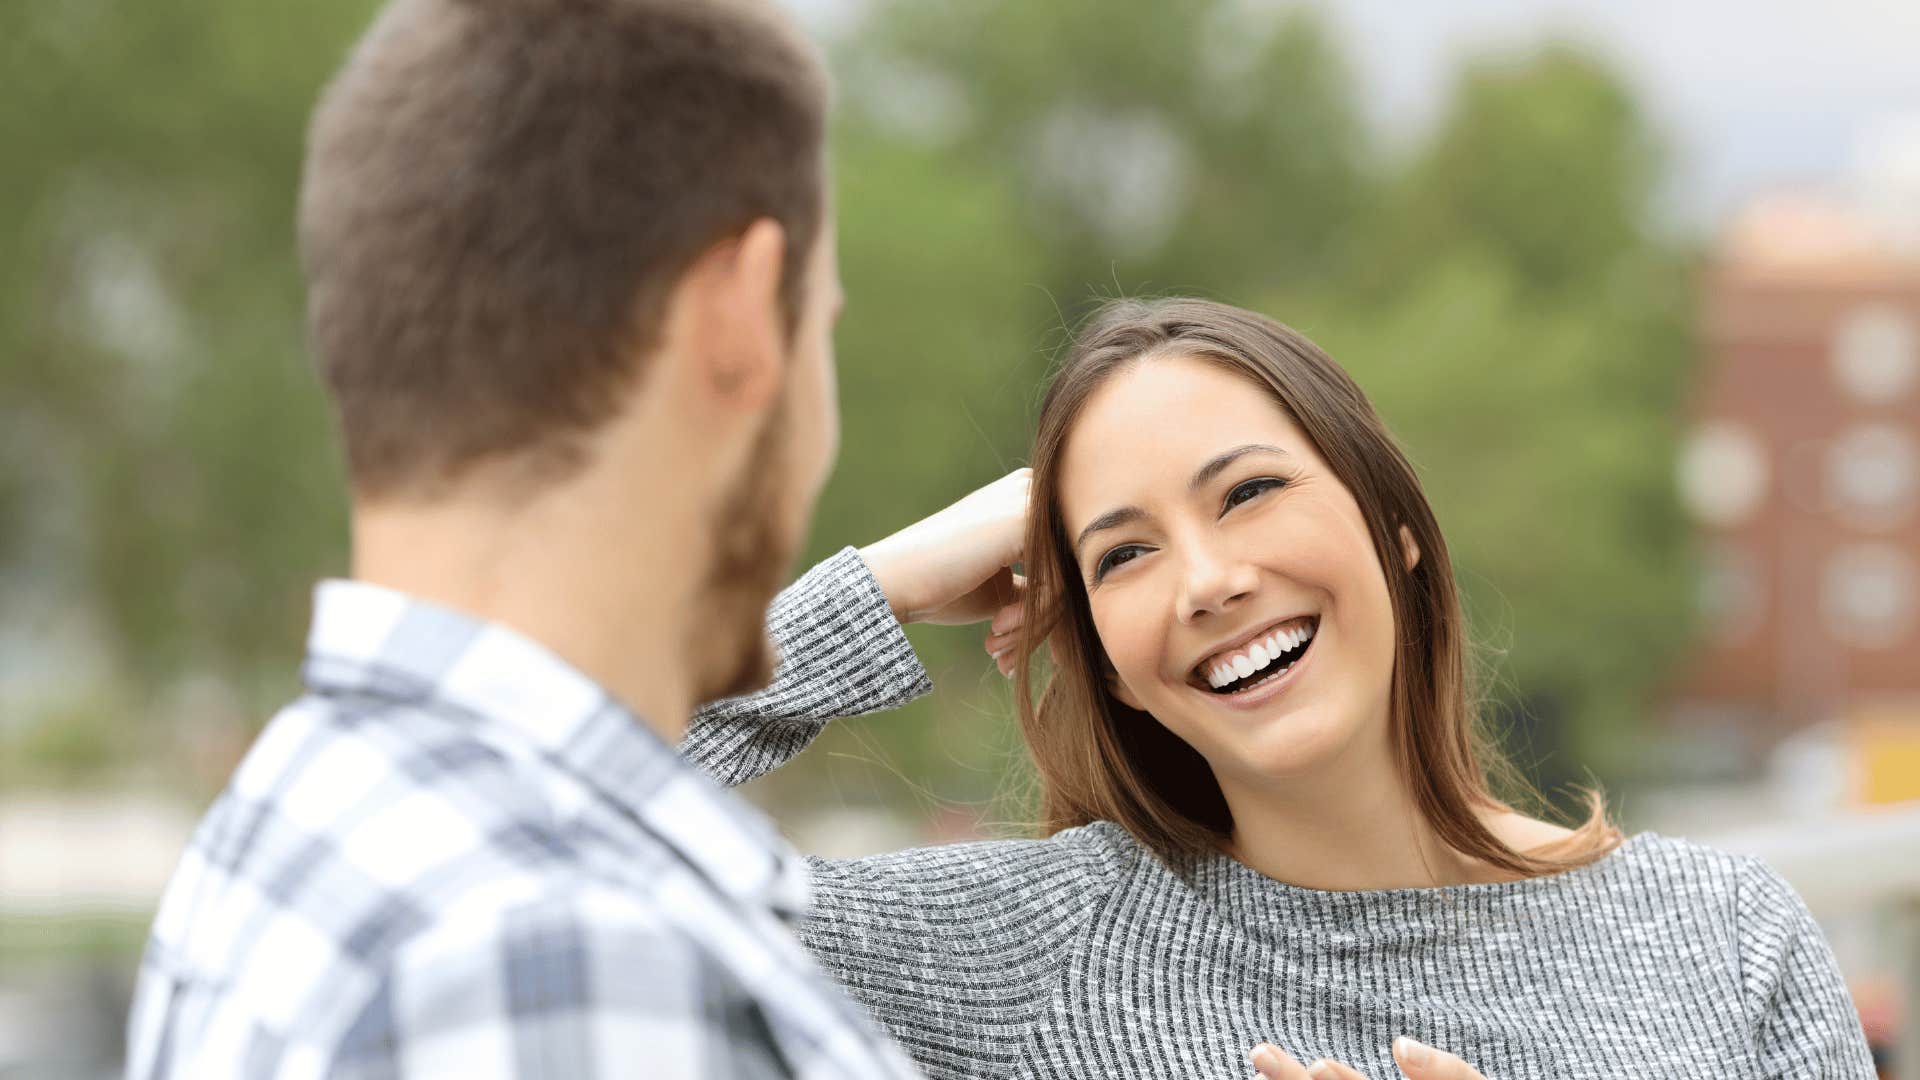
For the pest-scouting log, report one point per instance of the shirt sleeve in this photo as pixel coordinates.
(580, 986)
(842, 653)
(1804, 1021)
(956, 949)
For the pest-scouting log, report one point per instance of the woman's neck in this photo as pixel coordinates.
(1351, 827)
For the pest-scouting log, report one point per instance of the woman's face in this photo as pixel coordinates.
(1231, 577)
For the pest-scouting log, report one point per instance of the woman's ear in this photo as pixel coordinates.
(1409, 549)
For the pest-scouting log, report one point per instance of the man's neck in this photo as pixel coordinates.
(612, 602)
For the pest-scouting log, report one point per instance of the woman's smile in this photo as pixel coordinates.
(1251, 654)
(1261, 669)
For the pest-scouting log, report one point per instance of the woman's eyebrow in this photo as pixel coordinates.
(1113, 519)
(1225, 458)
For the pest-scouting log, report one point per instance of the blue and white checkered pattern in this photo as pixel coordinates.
(457, 856)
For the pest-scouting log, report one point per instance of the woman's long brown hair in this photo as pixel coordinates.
(1101, 760)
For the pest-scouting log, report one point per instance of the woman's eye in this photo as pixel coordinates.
(1114, 558)
(1250, 488)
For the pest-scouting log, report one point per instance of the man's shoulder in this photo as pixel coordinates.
(398, 796)
(359, 831)
(556, 968)
(365, 885)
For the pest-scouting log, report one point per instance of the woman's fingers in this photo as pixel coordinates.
(1013, 611)
(1417, 1060)
(1003, 657)
(1422, 1062)
(1008, 618)
(1004, 632)
(1274, 1063)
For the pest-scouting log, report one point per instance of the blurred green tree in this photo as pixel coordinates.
(1520, 324)
(1541, 162)
(1500, 294)
(1206, 147)
(150, 324)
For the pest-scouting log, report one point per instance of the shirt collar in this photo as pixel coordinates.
(368, 640)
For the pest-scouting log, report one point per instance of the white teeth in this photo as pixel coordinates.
(1258, 656)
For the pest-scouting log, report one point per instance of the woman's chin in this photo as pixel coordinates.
(1287, 748)
(1289, 738)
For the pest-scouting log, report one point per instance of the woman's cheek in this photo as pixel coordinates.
(1132, 651)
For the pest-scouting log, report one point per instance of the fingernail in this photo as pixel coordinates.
(1411, 1052)
(1264, 1058)
(1319, 1068)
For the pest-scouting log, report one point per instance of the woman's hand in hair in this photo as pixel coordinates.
(956, 566)
(1003, 635)
(1416, 1060)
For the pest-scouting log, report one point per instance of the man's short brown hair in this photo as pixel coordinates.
(500, 195)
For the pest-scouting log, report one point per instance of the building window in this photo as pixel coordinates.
(1873, 474)
(1868, 594)
(1875, 354)
(1723, 473)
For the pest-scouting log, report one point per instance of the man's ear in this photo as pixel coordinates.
(735, 327)
(1408, 549)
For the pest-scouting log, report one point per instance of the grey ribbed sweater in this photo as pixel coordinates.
(1083, 955)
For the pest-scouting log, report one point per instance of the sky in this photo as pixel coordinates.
(1748, 96)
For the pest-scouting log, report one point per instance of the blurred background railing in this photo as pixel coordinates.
(1638, 285)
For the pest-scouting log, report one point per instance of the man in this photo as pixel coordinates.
(571, 287)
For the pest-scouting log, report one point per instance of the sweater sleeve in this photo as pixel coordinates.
(1804, 1023)
(956, 950)
(842, 653)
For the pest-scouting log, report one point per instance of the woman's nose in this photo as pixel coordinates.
(1213, 584)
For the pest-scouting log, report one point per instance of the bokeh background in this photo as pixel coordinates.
(1637, 284)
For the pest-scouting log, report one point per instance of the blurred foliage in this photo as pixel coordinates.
(1497, 289)
(114, 937)
(1530, 342)
(69, 744)
(152, 319)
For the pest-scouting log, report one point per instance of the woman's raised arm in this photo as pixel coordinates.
(838, 630)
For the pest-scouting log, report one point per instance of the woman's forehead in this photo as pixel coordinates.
(1143, 433)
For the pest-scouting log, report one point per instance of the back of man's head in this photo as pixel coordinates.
(500, 196)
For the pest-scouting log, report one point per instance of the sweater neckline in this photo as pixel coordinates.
(1261, 901)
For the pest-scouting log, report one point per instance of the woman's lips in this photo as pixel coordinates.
(1263, 692)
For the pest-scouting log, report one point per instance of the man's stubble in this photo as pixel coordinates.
(729, 650)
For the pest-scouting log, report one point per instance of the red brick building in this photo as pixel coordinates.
(1803, 471)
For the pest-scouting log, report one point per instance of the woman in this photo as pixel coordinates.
(1269, 815)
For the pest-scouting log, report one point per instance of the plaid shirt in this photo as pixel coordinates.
(458, 856)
